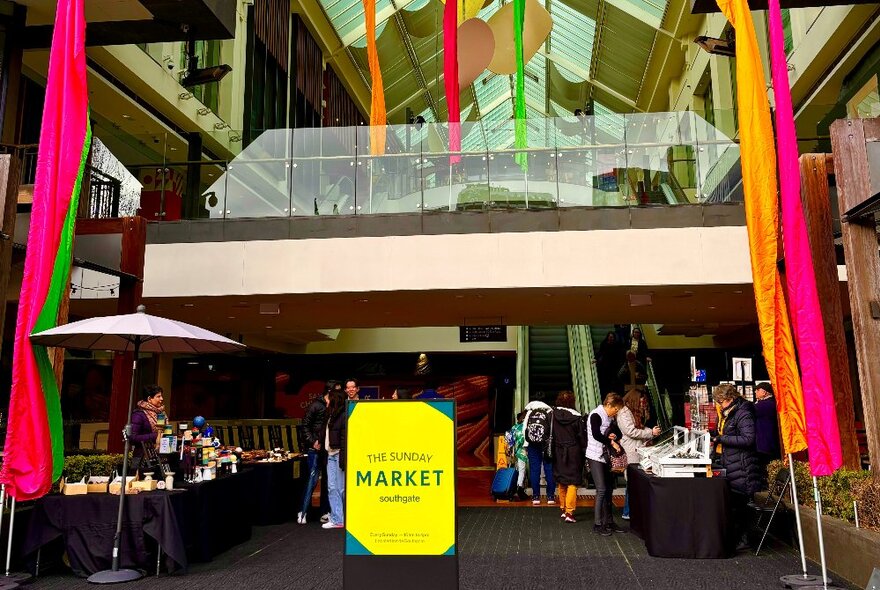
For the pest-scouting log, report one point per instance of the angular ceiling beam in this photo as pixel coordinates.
(580, 72)
(381, 16)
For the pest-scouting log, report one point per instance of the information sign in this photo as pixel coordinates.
(400, 523)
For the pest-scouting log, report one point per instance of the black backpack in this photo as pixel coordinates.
(537, 426)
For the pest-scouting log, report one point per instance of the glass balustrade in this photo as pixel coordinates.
(642, 159)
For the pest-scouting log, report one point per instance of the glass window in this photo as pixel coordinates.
(866, 102)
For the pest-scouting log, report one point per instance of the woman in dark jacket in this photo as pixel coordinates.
(568, 453)
(736, 440)
(334, 442)
(144, 429)
(735, 444)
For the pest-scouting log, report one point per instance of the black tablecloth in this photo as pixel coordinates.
(681, 517)
(277, 493)
(87, 525)
(218, 514)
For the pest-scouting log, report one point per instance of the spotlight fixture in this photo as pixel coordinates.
(221, 125)
(185, 95)
(199, 76)
(204, 111)
(725, 47)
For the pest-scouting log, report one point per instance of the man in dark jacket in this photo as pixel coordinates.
(735, 444)
(766, 424)
(312, 430)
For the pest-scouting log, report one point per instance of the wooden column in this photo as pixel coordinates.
(817, 210)
(10, 177)
(134, 240)
(849, 141)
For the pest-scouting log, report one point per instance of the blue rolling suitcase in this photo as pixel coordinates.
(504, 484)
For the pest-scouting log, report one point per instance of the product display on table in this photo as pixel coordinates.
(678, 452)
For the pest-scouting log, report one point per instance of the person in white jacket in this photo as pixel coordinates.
(631, 421)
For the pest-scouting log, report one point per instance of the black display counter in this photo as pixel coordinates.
(87, 524)
(681, 517)
(277, 491)
(218, 514)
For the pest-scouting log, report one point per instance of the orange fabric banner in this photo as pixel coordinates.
(758, 159)
(377, 103)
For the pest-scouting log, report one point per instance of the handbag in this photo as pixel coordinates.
(616, 459)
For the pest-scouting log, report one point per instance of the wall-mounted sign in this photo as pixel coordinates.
(482, 333)
(400, 523)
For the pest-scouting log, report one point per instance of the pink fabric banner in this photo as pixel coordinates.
(450, 76)
(823, 436)
(34, 445)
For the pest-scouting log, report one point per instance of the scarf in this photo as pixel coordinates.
(151, 413)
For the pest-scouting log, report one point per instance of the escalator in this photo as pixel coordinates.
(549, 369)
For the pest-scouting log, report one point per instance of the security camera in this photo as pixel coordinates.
(170, 66)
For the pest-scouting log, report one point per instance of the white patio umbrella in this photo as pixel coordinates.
(133, 332)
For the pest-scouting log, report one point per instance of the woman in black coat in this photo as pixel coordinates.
(568, 453)
(736, 440)
(735, 444)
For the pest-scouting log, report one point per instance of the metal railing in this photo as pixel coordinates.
(101, 194)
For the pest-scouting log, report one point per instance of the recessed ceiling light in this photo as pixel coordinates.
(189, 304)
(173, 149)
(459, 296)
(711, 307)
(363, 300)
(127, 117)
(230, 317)
(268, 327)
(738, 291)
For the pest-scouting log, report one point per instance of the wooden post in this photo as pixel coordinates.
(10, 177)
(817, 210)
(134, 241)
(849, 140)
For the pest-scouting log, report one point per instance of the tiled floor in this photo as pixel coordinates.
(513, 548)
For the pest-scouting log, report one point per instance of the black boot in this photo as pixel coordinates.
(521, 494)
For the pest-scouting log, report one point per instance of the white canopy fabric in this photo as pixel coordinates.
(119, 333)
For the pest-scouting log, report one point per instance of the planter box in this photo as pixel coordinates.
(851, 553)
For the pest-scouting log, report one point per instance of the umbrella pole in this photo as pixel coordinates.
(115, 575)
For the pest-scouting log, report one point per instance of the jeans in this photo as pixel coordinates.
(520, 473)
(601, 473)
(336, 489)
(317, 464)
(536, 459)
(626, 502)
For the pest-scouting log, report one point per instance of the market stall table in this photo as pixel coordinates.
(218, 514)
(87, 526)
(277, 490)
(681, 517)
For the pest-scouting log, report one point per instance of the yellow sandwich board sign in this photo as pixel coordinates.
(400, 520)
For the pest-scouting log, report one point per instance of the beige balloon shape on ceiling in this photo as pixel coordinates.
(537, 25)
(476, 45)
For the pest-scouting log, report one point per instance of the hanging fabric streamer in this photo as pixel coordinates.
(450, 76)
(758, 161)
(378, 116)
(520, 129)
(823, 436)
(34, 450)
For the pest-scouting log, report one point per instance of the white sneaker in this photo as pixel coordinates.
(330, 525)
(624, 516)
(536, 501)
(300, 518)
(326, 518)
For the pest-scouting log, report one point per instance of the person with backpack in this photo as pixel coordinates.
(538, 437)
(568, 453)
